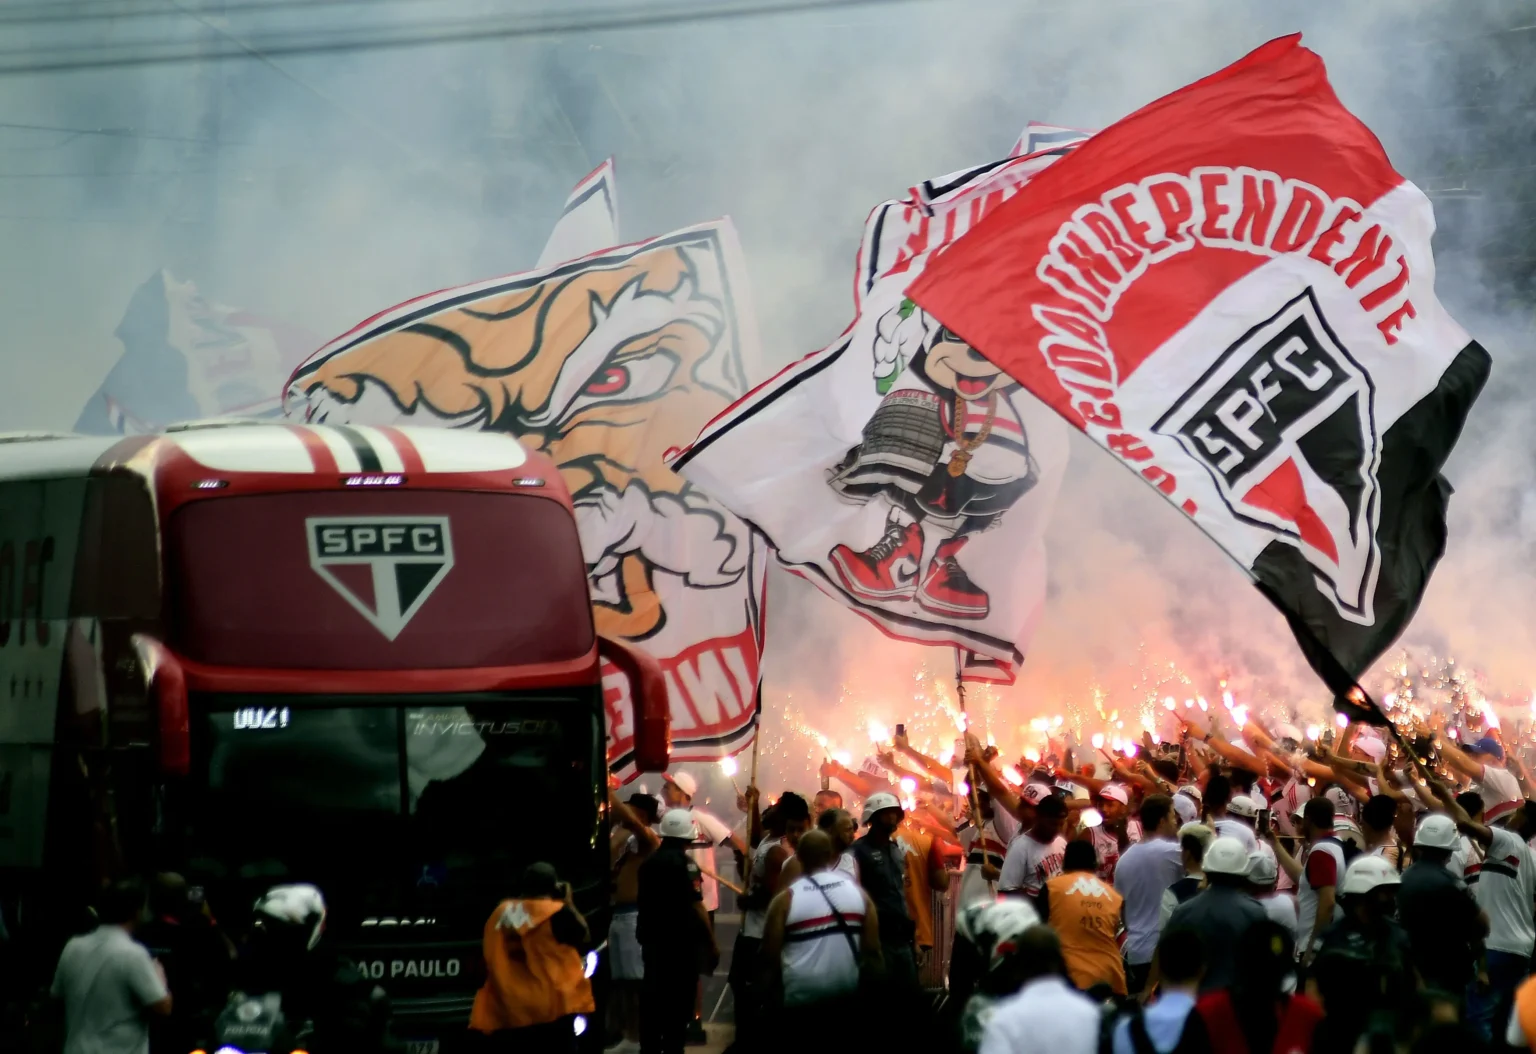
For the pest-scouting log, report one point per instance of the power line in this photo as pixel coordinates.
(156, 53)
(123, 133)
(82, 12)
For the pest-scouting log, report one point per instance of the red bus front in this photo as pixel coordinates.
(366, 661)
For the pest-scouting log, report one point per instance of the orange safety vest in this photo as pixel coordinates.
(531, 978)
(1525, 1011)
(1085, 913)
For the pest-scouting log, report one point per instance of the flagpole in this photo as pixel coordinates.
(970, 770)
(757, 737)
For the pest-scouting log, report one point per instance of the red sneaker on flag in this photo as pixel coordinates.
(1233, 291)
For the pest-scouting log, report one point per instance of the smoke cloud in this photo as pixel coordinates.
(320, 188)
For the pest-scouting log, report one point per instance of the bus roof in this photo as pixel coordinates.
(267, 448)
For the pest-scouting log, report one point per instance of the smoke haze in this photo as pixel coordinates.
(320, 188)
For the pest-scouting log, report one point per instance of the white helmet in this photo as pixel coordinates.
(1438, 831)
(879, 803)
(993, 926)
(678, 823)
(299, 907)
(1243, 806)
(1262, 869)
(1368, 873)
(1225, 856)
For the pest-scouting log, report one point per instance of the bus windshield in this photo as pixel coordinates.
(396, 809)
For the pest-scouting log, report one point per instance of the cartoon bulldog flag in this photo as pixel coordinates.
(604, 363)
(897, 469)
(1233, 292)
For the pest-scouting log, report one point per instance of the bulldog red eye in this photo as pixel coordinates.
(610, 382)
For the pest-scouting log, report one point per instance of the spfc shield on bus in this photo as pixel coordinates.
(1283, 422)
(384, 566)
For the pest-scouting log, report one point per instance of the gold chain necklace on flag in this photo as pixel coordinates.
(963, 447)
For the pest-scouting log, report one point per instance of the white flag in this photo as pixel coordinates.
(897, 469)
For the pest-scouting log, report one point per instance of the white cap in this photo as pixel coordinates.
(1366, 874)
(678, 823)
(1438, 831)
(1372, 746)
(683, 782)
(1226, 856)
(1035, 793)
(879, 803)
(1185, 807)
(1192, 791)
(1115, 792)
(1262, 869)
(1243, 806)
(1342, 802)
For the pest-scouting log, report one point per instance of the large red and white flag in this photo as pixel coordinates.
(1232, 290)
(897, 469)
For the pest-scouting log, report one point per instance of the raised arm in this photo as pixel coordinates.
(1482, 833)
(929, 765)
(857, 782)
(631, 822)
(1229, 753)
(1457, 758)
(998, 787)
(1283, 856)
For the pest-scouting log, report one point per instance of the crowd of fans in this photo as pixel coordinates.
(1263, 891)
(1266, 892)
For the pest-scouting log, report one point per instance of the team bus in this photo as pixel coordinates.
(256, 653)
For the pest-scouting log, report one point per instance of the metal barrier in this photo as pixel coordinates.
(934, 974)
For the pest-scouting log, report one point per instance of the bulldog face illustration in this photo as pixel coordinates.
(604, 365)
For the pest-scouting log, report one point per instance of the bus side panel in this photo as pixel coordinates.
(39, 535)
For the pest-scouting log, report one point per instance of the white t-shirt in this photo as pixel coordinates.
(848, 864)
(1282, 909)
(1506, 889)
(714, 832)
(1495, 788)
(1047, 1014)
(1029, 864)
(1227, 827)
(1146, 871)
(106, 979)
(1466, 862)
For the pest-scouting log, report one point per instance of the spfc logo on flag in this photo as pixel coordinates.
(384, 566)
(1284, 423)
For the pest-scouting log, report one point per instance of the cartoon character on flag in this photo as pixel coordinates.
(896, 469)
(946, 452)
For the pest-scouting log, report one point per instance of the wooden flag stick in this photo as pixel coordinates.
(970, 770)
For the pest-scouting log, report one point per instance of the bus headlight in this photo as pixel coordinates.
(579, 1024)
